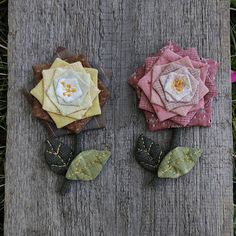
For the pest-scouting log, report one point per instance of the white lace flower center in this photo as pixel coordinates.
(68, 89)
(177, 85)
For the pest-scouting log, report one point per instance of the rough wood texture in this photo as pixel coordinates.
(117, 34)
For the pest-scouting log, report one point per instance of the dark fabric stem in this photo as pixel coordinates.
(175, 142)
(65, 188)
(78, 143)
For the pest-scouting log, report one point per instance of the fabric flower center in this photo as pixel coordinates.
(178, 84)
(68, 89)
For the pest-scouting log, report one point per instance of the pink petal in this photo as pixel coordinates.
(233, 76)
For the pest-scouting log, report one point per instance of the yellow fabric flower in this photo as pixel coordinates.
(66, 114)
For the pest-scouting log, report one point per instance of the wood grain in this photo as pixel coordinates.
(118, 35)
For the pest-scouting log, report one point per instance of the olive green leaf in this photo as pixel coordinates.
(178, 162)
(147, 153)
(58, 156)
(87, 165)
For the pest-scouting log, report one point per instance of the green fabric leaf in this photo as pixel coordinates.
(87, 165)
(147, 153)
(58, 156)
(178, 162)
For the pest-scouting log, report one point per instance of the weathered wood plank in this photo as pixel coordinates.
(118, 35)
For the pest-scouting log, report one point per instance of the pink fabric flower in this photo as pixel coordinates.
(175, 88)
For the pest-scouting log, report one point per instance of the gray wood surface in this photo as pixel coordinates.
(118, 35)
